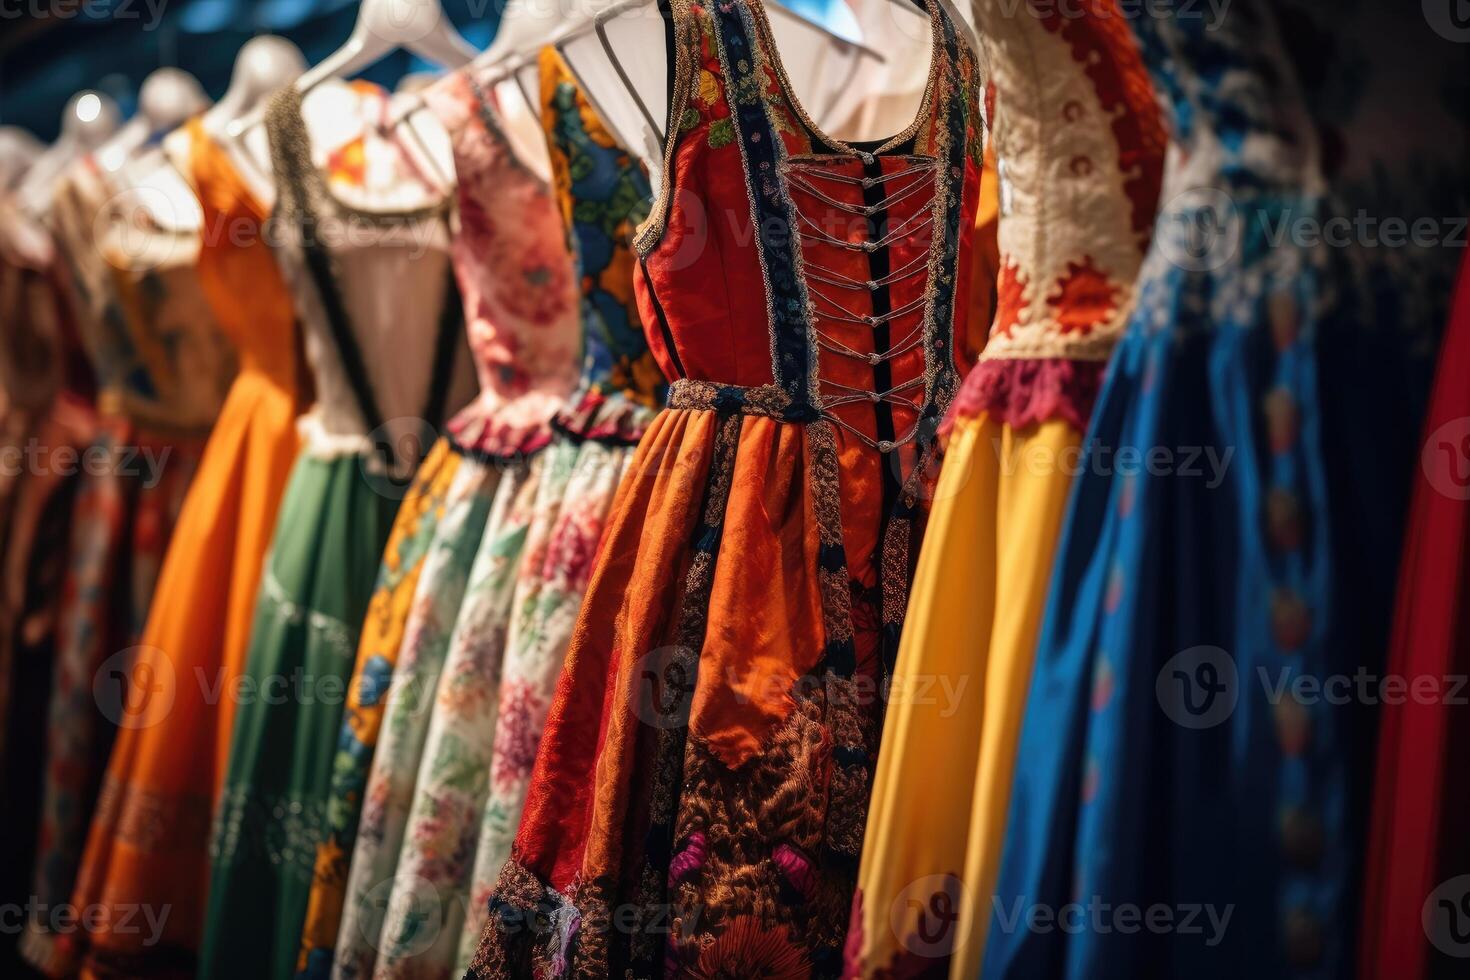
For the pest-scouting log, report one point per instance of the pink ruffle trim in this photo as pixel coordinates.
(499, 438)
(1025, 392)
(608, 418)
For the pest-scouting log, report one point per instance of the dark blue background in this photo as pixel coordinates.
(112, 45)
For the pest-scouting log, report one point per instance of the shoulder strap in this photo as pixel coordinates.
(297, 181)
(681, 37)
(451, 322)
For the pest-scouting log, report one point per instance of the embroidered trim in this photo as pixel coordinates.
(151, 821)
(686, 40)
(1026, 392)
(611, 419)
(762, 157)
(688, 639)
(290, 827)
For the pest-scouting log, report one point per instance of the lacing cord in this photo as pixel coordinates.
(858, 395)
(835, 394)
(914, 339)
(862, 181)
(903, 229)
(834, 278)
(913, 187)
(849, 316)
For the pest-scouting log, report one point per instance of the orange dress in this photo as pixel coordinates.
(696, 802)
(149, 838)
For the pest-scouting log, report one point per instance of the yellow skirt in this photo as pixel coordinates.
(942, 787)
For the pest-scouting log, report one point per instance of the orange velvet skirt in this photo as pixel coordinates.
(699, 795)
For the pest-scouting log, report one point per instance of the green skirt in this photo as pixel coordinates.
(318, 578)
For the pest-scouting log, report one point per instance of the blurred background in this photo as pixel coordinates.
(49, 49)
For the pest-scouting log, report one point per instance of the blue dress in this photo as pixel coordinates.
(1196, 755)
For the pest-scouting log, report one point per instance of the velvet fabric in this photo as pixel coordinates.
(706, 762)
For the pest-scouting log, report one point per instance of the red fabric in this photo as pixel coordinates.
(758, 612)
(630, 599)
(1021, 392)
(1419, 808)
(718, 329)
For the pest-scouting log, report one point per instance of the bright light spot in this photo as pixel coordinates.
(89, 107)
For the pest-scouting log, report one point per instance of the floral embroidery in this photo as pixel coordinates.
(1086, 131)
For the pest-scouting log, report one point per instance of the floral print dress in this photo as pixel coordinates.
(518, 282)
(495, 690)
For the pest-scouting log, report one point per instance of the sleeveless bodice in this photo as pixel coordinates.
(511, 260)
(1079, 146)
(374, 291)
(236, 268)
(780, 259)
(157, 351)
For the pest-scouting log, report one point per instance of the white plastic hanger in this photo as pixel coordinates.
(18, 150)
(168, 98)
(90, 117)
(383, 26)
(263, 65)
(620, 100)
(522, 24)
(620, 63)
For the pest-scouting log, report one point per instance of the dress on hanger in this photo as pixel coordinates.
(1417, 857)
(47, 392)
(1227, 563)
(521, 308)
(476, 763)
(362, 240)
(707, 755)
(150, 835)
(422, 549)
(1078, 136)
(162, 368)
